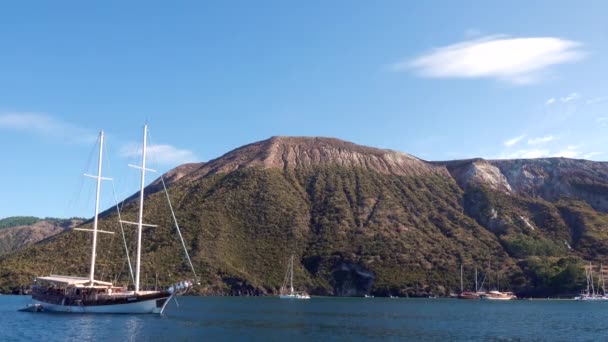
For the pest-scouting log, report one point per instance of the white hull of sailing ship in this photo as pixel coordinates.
(56, 293)
(136, 307)
(497, 295)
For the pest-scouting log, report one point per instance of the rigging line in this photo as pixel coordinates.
(122, 231)
(162, 180)
(124, 239)
(84, 170)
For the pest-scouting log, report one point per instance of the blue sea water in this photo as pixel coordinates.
(319, 319)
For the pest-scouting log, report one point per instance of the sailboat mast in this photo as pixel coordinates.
(291, 275)
(461, 283)
(591, 277)
(587, 278)
(94, 247)
(141, 208)
(602, 279)
(476, 288)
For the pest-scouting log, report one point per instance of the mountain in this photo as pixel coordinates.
(20, 231)
(359, 220)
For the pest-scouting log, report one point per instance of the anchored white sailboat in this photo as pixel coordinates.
(592, 293)
(290, 293)
(86, 294)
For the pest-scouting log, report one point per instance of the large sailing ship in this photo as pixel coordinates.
(60, 293)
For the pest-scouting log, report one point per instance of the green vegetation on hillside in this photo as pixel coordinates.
(16, 221)
(353, 231)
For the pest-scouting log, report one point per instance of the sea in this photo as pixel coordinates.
(318, 319)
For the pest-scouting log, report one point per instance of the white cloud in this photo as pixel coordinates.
(592, 154)
(160, 154)
(540, 140)
(516, 60)
(565, 99)
(603, 121)
(571, 97)
(597, 100)
(567, 153)
(514, 140)
(528, 154)
(46, 126)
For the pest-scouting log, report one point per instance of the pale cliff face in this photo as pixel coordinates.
(478, 172)
(546, 178)
(553, 178)
(307, 152)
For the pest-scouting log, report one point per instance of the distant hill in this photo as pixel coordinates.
(358, 219)
(20, 231)
(15, 221)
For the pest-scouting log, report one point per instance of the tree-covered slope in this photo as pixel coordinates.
(358, 220)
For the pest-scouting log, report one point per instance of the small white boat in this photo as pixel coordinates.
(497, 295)
(290, 293)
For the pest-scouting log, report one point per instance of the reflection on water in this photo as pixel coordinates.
(133, 327)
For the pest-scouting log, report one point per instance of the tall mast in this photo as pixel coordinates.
(591, 277)
(94, 248)
(461, 284)
(588, 282)
(141, 208)
(291, 274)
(476, 289)
(602, 279)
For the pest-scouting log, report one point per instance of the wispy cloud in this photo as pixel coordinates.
(592, 154)
(571, 97)
(540, 140)
(527, 154)
(514, 140)
(516, 60)
(45, 126)
(160, 154)
(564, 99)
(597, 100)
(570, 151)
(603, 121)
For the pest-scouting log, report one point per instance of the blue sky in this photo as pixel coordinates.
(439, 80)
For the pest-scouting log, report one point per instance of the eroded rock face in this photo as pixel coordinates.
(478, 172)
(306, 152)
(553, 178)
(546, 178)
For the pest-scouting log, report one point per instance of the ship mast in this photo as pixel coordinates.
(476, 288)
(141, 208)
(461, 283)
(95, 219)
(291, 274)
